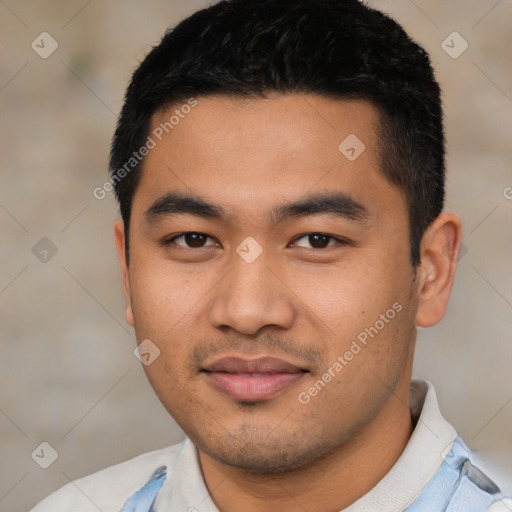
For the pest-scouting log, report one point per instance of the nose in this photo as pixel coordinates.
(252, 296)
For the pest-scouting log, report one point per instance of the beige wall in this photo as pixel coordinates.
(67, 372)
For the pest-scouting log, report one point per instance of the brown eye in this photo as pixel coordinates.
(191, 240)
(317, 241)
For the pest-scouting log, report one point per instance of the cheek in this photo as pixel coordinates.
(351, 297)
(162, 296)
(159, 311)
(365, 316)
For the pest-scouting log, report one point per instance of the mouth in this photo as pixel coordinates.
(252, 380)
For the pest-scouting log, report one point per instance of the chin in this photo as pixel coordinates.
(261, 453)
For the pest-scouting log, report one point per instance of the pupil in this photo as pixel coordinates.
(318, 240)
(194, 239)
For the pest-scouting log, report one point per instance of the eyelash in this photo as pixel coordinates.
(339, 241)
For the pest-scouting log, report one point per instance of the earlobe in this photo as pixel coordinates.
(440, 248)
(129, 315)
(120, 241)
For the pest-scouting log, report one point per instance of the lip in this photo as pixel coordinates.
(252, 380)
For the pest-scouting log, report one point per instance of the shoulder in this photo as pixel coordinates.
(110, 488)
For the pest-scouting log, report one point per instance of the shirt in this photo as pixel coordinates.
(433, 474)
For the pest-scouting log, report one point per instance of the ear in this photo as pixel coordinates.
(439, 252)
(119, 238)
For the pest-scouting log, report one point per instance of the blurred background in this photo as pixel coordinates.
(68, 376)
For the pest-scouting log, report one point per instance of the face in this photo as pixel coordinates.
(270, 266)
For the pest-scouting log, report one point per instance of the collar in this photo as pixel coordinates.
(423, 456)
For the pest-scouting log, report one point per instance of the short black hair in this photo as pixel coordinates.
(337, 49)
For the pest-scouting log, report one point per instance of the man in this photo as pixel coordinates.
(279, 166)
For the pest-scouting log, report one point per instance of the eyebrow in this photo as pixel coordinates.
(334, 203)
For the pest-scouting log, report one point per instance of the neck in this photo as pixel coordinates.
(332, 483)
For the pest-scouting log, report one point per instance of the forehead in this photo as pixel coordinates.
(250, 154)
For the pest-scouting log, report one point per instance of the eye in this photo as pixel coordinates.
(190, 240)
(318, 241)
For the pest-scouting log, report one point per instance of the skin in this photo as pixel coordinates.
(300, 300)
